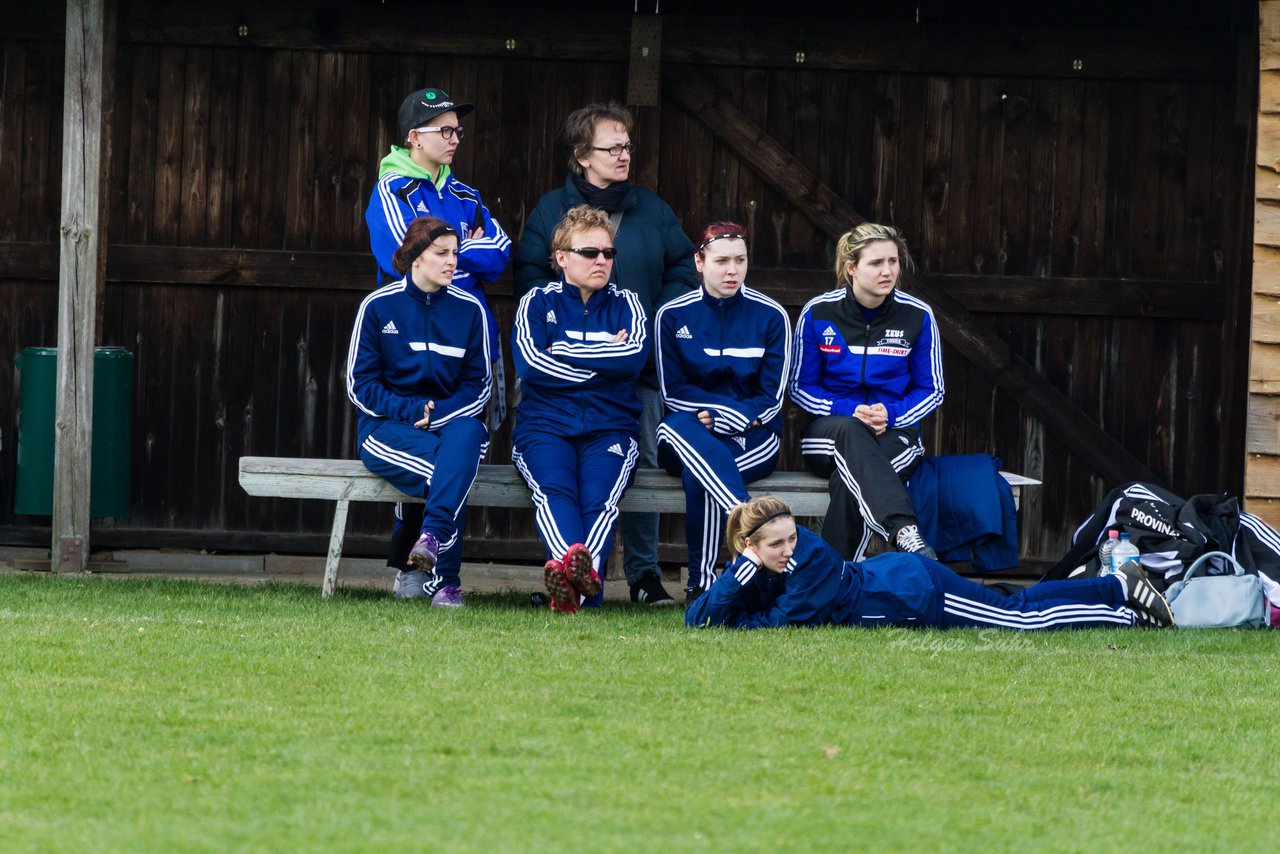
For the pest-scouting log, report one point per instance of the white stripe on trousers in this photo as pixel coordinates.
(1058, 615)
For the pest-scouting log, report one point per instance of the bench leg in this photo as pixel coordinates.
(335, 548)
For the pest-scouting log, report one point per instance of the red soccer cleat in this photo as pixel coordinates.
(580, 567)
(564, 598)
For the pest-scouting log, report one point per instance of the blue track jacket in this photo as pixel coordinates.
(730, 356)
(574, 380)
(966, 510)
(842, 360)
(398, 200)
(409, 347)
(820, 588)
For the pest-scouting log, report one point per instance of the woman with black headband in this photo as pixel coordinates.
(418, 374)
(723, 358)
(783, 576)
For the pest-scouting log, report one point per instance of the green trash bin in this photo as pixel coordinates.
(112, 424)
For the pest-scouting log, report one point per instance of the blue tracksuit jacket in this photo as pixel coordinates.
(896, 589)
(842, 360)
(574, 380)
(409, 347)
(966, 510)
(398, 200)
(728, 356)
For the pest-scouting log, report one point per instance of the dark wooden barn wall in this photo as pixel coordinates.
(1022, 184)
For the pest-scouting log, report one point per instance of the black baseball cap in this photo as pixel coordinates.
(424, 105)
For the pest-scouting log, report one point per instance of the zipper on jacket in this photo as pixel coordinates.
(866, 345)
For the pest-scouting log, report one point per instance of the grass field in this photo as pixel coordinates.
(143, 715)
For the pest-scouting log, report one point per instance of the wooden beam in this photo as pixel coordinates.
(219, 267)
(1262, 436)
(82, 264)
(1042, 295)
(520, 32)
(961, 329)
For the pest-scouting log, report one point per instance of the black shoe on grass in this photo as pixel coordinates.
(649, 591)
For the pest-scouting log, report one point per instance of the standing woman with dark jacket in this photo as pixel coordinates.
(579, 344)
(868, 363)
(724, 355)
(418, 374)
(654, 262)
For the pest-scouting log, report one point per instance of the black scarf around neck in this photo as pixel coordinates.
(608, 198)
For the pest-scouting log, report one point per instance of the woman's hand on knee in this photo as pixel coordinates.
(874, 416)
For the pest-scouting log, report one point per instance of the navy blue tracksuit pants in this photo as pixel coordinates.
(440, 465)
(714, 470)
(577, 482)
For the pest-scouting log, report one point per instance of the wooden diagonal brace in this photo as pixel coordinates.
(986, 351)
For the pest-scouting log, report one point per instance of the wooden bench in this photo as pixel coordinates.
(345, 481)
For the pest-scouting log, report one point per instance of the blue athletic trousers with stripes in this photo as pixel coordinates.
(1077, 603)
(714, 471)
(577, 483)
(866, 474)
(440, 465)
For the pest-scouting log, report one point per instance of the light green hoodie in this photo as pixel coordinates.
(399, 162)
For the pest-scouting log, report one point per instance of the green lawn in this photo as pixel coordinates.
(143, 715)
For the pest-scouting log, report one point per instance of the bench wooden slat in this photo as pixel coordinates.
(498, 486)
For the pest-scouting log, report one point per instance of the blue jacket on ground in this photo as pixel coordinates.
(843, 360)
(819, 588)
(966, 510)
(574, 379)
(728, 356)
(399, 199)
(655, 257)
(409, 347)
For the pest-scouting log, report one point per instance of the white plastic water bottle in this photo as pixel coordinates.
(1125, 551)
(1105, 550)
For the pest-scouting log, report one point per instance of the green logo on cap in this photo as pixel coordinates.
(431, 96)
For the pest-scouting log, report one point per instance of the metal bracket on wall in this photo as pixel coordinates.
(644, 83)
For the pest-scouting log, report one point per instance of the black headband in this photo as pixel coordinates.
(767, 520)
(438, 232)
(734, 236)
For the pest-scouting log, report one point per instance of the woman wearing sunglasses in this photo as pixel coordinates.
(417, 180)
(654, 262)
(579, 343)
(782, 575)
(723, 357)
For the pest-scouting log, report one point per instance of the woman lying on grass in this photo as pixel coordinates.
(783, 576)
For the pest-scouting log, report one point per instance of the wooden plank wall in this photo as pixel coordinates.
(1089, 220)
(1262, 468)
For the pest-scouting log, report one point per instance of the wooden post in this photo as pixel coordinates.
(82, 268)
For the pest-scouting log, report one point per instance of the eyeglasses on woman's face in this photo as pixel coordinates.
(615, 150)
(446, 132)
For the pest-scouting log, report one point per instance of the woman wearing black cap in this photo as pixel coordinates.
(417, 180)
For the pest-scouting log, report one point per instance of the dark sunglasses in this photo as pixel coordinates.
(591, 253)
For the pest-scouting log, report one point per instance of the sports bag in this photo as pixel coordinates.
(1201, 601)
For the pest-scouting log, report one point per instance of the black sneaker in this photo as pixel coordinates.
(649, 591)
(908, 539)
(1143, 597)
(691, 595)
